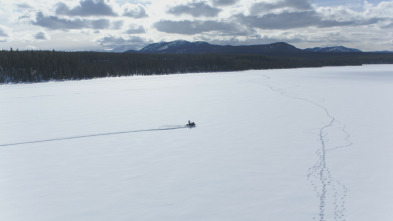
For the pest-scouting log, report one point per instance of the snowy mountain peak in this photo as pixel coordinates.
(165, 45)
(333, 49)
(201, 47)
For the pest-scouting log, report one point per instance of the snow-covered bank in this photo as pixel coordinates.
(300, 144)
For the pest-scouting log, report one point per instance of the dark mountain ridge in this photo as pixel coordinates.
(201, 47)
(333, 49)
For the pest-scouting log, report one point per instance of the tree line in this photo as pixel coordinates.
(41, 66)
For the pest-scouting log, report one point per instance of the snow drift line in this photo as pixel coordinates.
(175, 127)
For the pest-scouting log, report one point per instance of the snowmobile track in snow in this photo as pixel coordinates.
(331, 193)
(95, 135)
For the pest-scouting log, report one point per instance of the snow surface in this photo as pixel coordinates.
(297, 144)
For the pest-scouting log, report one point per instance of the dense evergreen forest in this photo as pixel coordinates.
(40, 66)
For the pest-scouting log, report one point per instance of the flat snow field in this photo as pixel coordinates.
(298, 144)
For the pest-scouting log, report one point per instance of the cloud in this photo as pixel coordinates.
(290, 20)
(117, 25)
(3, 33)
(226, 21)
(284, 20)
(388, 26)
(263, 7)
(97, 24)
(86, 8)
(224, 2)
(196, 9)
(24, 6)
(136, 30)
(197, 27)
(383, 9)
(135, 12)
(40, 36)
(120, 43)
(53, 22)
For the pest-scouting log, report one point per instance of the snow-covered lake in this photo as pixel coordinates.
(299, 144)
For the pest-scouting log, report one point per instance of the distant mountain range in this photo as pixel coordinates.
(201, 47)
(334, 49)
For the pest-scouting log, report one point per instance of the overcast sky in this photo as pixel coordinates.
(131, 24)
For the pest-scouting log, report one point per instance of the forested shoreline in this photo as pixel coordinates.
(41, 66)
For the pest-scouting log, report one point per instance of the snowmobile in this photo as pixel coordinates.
(190, 124)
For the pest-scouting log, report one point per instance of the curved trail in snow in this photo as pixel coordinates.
(174, 127)
(331, 192)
